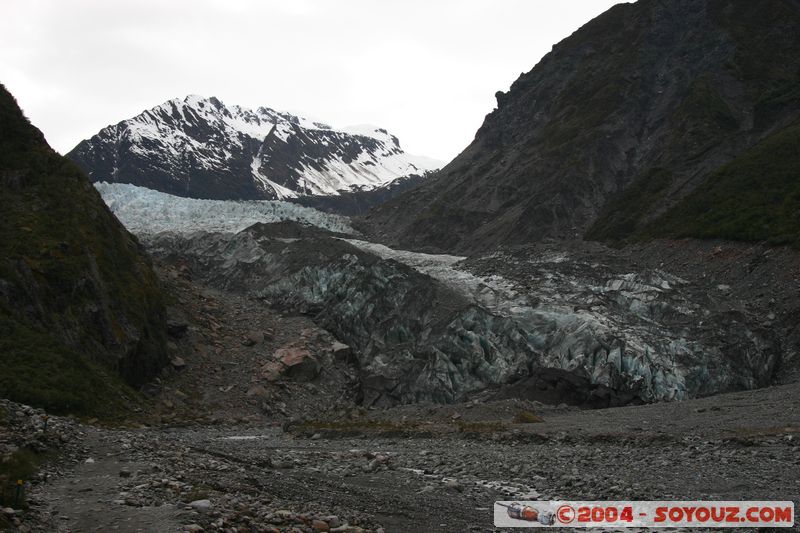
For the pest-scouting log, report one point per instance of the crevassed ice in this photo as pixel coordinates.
(493, 292)
(147, 212)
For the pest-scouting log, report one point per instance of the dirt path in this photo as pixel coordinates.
(94, 498)
(254, 479)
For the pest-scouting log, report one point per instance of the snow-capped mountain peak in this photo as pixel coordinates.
(200, 147)
(369, 130)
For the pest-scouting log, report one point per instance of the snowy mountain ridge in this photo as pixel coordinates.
(201, 148)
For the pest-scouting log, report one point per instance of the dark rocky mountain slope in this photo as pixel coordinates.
(668, 117)
(360, 201)
(79, 303)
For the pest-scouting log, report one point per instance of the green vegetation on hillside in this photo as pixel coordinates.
(79, 303)
(39, 370)
(763, 54)
(755, 197)
(622, 213)
(60, 241)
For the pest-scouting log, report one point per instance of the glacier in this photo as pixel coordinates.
(147, 212)
(429, 327)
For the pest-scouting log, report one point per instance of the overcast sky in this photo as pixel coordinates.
(427, 70)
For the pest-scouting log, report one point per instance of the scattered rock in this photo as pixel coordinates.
(453, 485)
(253, 338)
(319, 525)
(372, 466)
(202, 506)
(257, 391)
(282, 464)
(176, 329)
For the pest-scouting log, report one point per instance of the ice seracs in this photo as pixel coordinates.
(148, 212)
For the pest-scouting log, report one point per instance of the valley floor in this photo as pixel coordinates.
(222, 449)
(426, 477)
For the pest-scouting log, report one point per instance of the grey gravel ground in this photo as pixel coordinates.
(443, 475)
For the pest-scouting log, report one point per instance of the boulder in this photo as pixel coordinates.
(293, 363)
(202, 506)
(341, 351)
(177, 322)
(320, 525)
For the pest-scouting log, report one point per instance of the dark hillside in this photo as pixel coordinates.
(79, 304)
(615, 127)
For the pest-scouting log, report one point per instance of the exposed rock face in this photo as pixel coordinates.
(75, 287)
(359, 202)
(200, 148)
(428, 328)
(616, 126)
